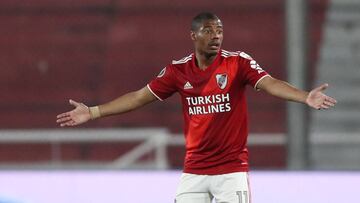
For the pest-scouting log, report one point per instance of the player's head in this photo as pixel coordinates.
(207, 33)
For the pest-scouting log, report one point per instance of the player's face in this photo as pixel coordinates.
(208, 38)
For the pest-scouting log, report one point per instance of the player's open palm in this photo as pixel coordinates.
(77, 116)
(318, 100)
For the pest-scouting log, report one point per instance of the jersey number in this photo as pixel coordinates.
(243, 196)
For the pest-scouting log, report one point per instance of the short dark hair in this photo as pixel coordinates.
(200, 18)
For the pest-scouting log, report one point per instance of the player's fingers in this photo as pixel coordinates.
(324, 106)
(69, 123)
(74, 103)
(332, 100)
(63, 115)
(72, 123)
(64, 119)
(322, 87)
(329, 103)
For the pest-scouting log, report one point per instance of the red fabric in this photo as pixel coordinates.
(214, 109)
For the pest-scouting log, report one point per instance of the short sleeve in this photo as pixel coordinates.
(250, 70)
(163, 86)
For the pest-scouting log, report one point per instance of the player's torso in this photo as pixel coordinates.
(212, 99)
(213, 108)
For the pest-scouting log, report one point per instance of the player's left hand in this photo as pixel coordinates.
(318, 100)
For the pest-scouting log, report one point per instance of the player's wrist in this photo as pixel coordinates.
(306, 98)
(94, 112)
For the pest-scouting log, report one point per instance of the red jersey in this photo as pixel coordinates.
(214, 109)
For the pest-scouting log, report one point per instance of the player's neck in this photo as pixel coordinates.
(203, 61)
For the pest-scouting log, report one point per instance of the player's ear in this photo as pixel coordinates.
(192, 35)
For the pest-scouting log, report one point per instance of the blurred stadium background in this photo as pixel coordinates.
(95, 50)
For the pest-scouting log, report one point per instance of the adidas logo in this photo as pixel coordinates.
(187, 85)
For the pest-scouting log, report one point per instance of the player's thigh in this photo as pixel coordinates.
(193, 189)
(231, 188)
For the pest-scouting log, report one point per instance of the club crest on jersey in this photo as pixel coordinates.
(221, 80)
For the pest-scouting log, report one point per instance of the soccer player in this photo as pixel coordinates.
(211, 82)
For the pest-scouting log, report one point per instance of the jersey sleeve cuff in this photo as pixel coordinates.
(152, 92)
(255, 86)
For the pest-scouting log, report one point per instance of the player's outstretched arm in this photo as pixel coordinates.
(122, 104)
(315, 98)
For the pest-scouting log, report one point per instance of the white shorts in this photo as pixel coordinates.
(225, 188)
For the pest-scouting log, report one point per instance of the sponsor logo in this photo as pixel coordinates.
(187, 86)
(218, 103)
(221, 80)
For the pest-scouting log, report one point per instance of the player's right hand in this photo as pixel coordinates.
(77, 116)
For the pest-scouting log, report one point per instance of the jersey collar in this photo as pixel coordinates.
(212, 66)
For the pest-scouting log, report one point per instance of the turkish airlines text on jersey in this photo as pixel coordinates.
(217, 103)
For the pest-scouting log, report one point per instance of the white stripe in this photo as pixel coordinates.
(230, 52)
(255, 86)
(225, 51)
(245, 55)
(183, 60)
(180, 62)
(226, 56)
(148, 86)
